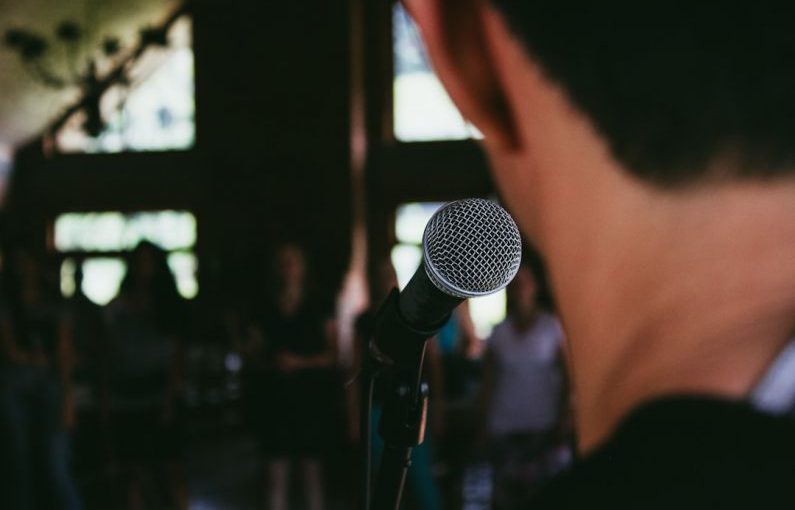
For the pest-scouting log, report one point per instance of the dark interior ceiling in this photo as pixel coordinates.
(26, 106)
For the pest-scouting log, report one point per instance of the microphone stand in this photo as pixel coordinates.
(402, 427)
(398, 350)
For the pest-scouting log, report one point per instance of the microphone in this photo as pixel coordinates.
(471, 248)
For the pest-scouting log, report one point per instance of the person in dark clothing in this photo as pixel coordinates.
(36, 399)
(89, 333)
(646, 150)
(291, 381)
(89, 336)
(86, 325)
(143, 374)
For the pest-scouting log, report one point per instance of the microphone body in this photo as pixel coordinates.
(470, 248)
(423, 305)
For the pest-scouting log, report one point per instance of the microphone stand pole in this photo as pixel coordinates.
(402, 427)
(398, 349)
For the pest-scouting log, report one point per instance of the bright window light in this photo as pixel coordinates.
(102, 278)
(487, 312)
(406, 259)
(422, 109)
(114, 231)
(156, 111)
(183, 266)
(68, 269)
(411, 219)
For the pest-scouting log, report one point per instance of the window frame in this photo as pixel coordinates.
(80, 256)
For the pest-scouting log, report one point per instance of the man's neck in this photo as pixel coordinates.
(659, 292)
(697, 297)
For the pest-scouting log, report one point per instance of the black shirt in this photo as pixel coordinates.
(35, 327)
(683, 453)
(302, 333)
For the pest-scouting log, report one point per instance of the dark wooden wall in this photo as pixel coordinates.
(273, 107)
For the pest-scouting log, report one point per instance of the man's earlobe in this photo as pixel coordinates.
(460, 44)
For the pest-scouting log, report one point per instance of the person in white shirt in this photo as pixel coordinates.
(524, 393)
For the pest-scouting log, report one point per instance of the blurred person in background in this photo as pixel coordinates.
(458, 335)
(460, 349)
(144, 381)
(89, 334)
(421, 480)
(524, 395)
(290, 381)
(89, 337)
(36, 399)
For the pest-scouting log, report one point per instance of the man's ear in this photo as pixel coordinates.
(459, 43)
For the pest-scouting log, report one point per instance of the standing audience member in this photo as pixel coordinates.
(460, 349)
(144, 371)
(524, 394)
(90, 339)
(89, 336)
(291, 380)
(36, 404)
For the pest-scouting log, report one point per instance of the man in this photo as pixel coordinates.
(647, 150)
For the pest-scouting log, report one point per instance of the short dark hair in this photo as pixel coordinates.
(674, 86)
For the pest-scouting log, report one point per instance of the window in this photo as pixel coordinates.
(155, 112)
(100, 240)
(422, 109)
(406, 256)
(102, 277)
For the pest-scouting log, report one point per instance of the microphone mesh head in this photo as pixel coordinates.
(471, 248)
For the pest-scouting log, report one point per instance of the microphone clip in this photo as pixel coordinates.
(397, 351)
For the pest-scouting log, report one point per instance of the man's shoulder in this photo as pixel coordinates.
(684, 453)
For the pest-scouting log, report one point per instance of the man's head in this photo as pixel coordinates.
(673, 86)
(679, 94)
(644, 148)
